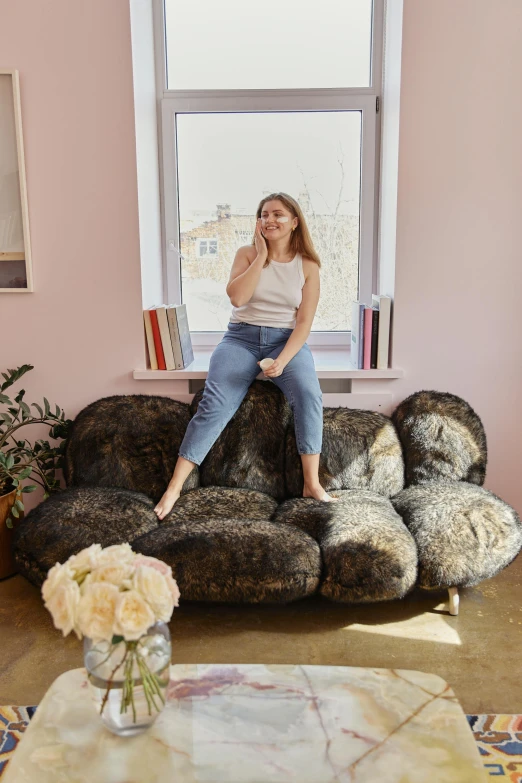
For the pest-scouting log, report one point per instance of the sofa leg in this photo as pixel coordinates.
(453, 600)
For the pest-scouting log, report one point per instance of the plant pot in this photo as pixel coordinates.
(7, 563)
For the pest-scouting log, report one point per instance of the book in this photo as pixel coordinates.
(150, 341)
(157, 339)
(184, 335)
(375, 338)
(367, 352)
(163, 324)
(383, 350)
(356, 349)
(174, 336)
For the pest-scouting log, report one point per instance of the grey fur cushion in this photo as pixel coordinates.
(239, 558)
(250, 452)
(442, 437)
(464, 533)
(368, 554)
(361, 450)
(73, 519)
(129, 441)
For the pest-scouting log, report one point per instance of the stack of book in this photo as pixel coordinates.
(370, 345)
(168, 337)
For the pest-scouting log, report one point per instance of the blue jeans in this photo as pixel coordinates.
(233, 368)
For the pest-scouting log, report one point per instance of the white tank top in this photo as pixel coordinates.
(276, 296)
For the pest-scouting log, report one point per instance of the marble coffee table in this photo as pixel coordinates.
(257, 723)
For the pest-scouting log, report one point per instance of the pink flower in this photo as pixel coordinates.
(152, 562)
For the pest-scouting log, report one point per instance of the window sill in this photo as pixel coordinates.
(329, 363)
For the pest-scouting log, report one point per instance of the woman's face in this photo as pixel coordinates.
(277, 221)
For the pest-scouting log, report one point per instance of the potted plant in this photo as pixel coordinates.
(19, 460)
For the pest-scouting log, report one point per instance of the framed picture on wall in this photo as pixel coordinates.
(15, 247)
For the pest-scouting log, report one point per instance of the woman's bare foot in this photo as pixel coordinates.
(318, 493)
(167, 501)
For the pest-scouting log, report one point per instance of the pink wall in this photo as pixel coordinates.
(459, 206)
(459, 273)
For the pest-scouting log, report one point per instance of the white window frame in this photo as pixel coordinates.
(366, 100)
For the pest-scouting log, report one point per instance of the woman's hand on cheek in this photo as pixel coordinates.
(275, 369)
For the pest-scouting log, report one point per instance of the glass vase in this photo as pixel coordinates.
(128, 680)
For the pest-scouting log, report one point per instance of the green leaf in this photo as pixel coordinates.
(117, 639)
(9, 462)
(20, 395)
(29, 489)
(47, 406)
(5, 399)
(15, 512)
(38, 408)
(57, 412)
(6, 417)
(18, 503)
(25, 407)
(9, 522)
(46, 495)
(25, 473)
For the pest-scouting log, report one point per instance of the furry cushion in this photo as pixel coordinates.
(76, 518)
(368, 554)
(221, 503)
(239, 558)
(442, 437)
(464, 533)
(250, 451)
(128, 441)
(360, 450)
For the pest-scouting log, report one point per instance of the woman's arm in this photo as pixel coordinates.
(303, 322)
(246, 270)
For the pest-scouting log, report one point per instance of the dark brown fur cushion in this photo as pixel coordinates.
(73, 519)
(250, 452)
(361, 450)
(464, 533)
(239, 559)
(221, 503)
(368, 554)
(128, 441)
(442, 437)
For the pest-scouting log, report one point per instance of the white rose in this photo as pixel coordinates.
(119, 574)
(133, 615)
(174, 589)
(58, 575)
(84, 561)
(118, 553)
(96, 611)
(164, 569)
(154, 587)
(63, 606)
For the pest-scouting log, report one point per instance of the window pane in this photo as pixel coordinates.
(228, 162)
(242, 44)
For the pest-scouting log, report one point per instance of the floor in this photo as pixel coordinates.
(478, 652)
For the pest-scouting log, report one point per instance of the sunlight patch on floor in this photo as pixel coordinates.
(425, 627)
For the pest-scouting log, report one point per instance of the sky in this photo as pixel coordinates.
(239, 44)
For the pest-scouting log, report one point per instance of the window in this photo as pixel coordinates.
(206, 247)
(271, 99)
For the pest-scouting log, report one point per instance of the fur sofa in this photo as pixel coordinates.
(411, 507)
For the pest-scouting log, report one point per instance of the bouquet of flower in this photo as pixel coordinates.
(113, 596)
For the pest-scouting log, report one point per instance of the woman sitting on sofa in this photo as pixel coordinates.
(274, 291)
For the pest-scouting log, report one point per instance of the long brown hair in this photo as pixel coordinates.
(300, 239)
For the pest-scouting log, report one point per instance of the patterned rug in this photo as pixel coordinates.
(499, 740)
